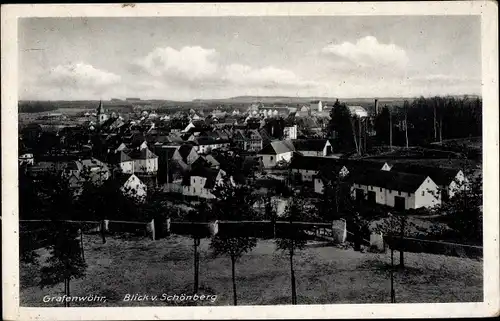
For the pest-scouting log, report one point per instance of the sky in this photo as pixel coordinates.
(185, 58)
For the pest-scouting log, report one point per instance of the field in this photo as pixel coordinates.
(325, 274)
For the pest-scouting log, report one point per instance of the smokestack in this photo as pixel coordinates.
(376, 106)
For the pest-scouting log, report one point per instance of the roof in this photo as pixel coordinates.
(184, 151)
(142, 154)
(309, 144)
(121, 178)
(358, 111)
(210, 141)
(277, 147)
(118, 157)
(441, 176)
(315, 163)
(207, 160)
(87, 163)
(241, 134)
(165, 153)
(318, 162)
(397, 181)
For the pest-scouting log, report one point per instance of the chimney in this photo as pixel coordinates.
(376, 106)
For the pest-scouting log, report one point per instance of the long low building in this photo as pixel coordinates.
(308, 167)
(395, 189)
(449, 180)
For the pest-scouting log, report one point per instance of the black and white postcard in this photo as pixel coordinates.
(249, 161)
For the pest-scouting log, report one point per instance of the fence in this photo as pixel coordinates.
(333, 232)
(37, 230)
(35, 233)
(434, 247)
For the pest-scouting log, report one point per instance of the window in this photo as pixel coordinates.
(399, 193)
(270, 158)
(423, 193)
(381, 189)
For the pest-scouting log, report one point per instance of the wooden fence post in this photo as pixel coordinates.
(152, 229)
(167, 226)
(339, 231)
(214, 228)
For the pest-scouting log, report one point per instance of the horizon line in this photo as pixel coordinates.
(257, 97)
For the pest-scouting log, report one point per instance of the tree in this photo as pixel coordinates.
(29, 201)
(201, 213)
(66, 262)
(463, 211)
(406, 106)
(382, 129)
(340, 123)
(232, 202)
(234, 247)
(396, 226)
(294, 238)
(101, 199)
(336, 199)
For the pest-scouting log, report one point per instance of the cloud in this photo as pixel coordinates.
(188, 63)
(267, 77)
(80, 75)
(197, 67)
(69, 81)
(367, 52)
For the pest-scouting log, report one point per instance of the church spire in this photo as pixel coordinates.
(101, 116)
(100, 109)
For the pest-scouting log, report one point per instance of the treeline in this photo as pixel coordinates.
(416, 123)
(428, 120)
(36, 106)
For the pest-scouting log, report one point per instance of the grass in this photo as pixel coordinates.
(325, 274)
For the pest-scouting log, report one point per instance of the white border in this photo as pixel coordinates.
(10, 267)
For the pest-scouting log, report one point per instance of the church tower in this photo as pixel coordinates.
(101, 116)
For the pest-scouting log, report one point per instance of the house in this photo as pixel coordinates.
(79, 171)
(276, 151)
(131, 186)
(175, 139)
(165, 153)
(395, 189)
(55, 164)
(186, 154)
(248, 140)
(145, 161)
(316, 105)
(196, 125)
(308, 167)
(132, 145)
(206, 161)
(290, 132)
(312, 147)
(358, 111)
(304, 111)
(223, 134)
(201, 181)
(120, 160)
(344, 168)
(206, 144)
(449, 180)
